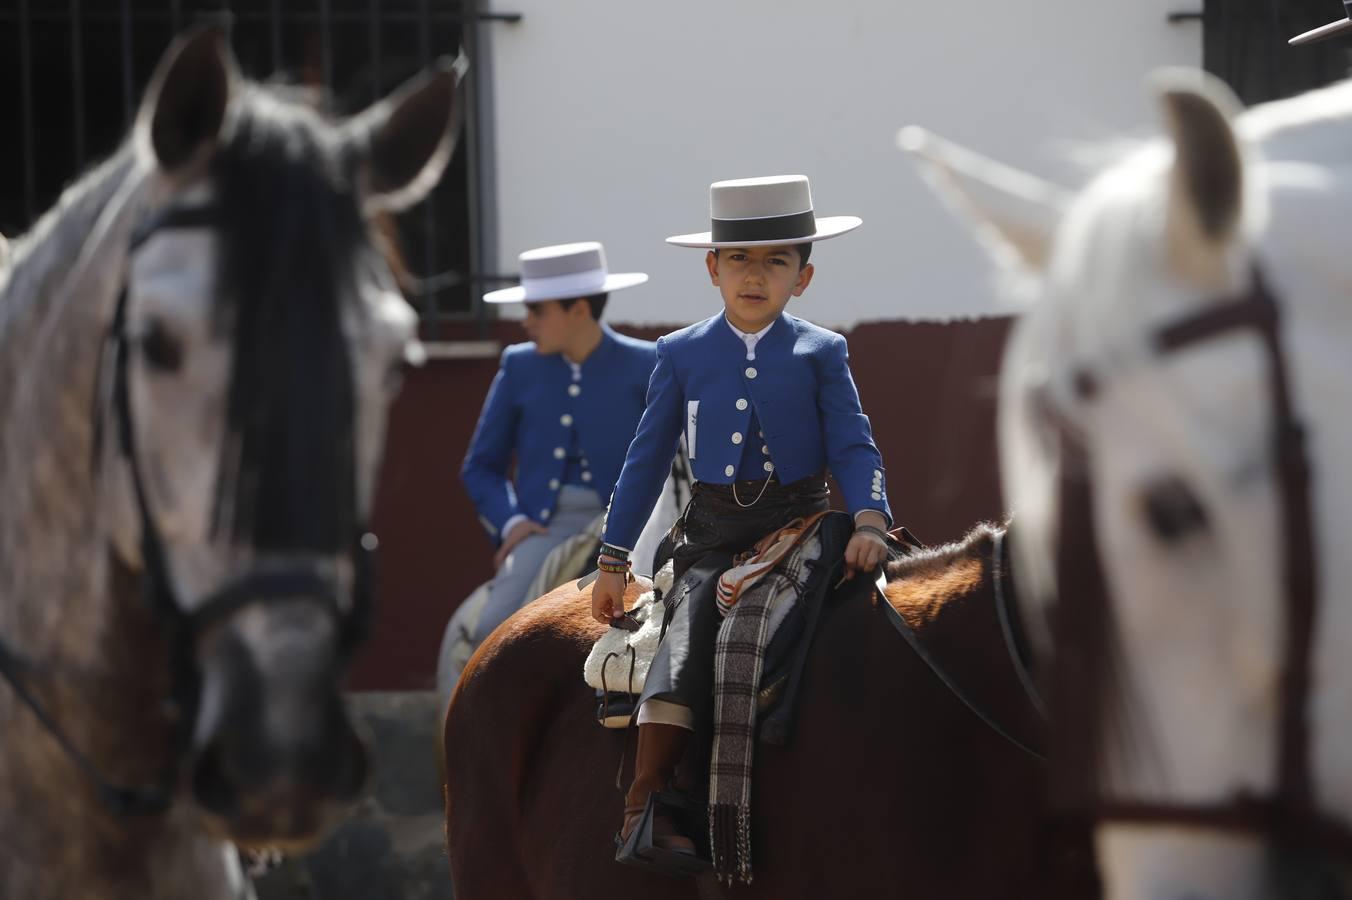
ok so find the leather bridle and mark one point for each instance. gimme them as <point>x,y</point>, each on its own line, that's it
<point>254,587</point>
<point>1288,815</point>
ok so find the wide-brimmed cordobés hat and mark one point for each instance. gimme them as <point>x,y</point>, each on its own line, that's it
<point>562,272</point>
<point>754,212</point>
<point>1327,31</point>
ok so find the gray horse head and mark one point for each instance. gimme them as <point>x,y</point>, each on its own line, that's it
<point>216,294</point>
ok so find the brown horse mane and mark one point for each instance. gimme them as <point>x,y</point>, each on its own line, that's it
<point>930,559</point>
<point>921,584</point>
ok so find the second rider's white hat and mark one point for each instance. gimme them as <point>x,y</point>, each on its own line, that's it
<point>564,271</point>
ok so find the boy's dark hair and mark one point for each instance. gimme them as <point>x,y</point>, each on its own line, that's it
<point>804,253</point>
<point>597,302</point>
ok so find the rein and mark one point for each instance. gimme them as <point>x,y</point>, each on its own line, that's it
<point>918,648</point>
<point>1011,626</point>
<point>267,587</point>
<point>1288,816</point>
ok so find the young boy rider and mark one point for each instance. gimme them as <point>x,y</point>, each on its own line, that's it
<point>767,404</point>
<point>564,406</point>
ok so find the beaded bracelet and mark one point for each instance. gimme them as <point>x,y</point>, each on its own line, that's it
<point>613,568</point>
<point>872,529</point>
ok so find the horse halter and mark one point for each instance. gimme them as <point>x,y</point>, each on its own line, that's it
<point>252,588</point>
<point>1288,815</point>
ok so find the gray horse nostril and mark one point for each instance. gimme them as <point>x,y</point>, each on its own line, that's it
<point>1173,510</point>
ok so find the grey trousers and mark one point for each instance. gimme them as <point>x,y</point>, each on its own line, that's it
<point>506,593</point>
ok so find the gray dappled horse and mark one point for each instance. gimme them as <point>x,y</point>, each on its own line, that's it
<point>198,347</point>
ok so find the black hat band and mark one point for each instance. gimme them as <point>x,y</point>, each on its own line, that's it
<point>799,226</point>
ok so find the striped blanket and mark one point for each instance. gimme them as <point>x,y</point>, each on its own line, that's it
<point>751,595</point>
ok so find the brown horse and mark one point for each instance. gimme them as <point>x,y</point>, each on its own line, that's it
<point>889,782</point>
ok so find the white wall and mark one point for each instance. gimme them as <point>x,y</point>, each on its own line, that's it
<point>613,117</point>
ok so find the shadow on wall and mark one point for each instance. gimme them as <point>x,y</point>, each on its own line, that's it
<point>928,388</point>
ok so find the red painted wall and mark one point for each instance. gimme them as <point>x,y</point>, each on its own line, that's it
<point>929,390</point>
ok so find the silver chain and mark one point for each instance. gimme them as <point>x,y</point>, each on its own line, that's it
<point>765,484</point>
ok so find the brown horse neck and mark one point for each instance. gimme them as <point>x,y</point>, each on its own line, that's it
<point>949,596</point>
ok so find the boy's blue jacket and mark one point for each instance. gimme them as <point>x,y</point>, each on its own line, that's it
<point>533,408</point>
<point>800,388</point>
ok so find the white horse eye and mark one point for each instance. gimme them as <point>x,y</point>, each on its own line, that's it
<point>162,350</point>
<point>1172,509</point>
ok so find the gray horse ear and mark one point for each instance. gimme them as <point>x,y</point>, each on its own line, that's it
<point>406,140</point>
<point>1207,193</point>
<point>184,107</point>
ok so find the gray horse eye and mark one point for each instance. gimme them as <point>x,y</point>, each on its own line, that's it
<point>161,349</point>
<point>1172,510</point>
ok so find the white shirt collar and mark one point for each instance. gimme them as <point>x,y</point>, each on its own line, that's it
<point>751,340</point>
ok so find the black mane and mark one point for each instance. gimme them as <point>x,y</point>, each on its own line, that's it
<point>292,238</point>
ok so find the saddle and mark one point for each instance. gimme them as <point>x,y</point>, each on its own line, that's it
<point>619,662</point>
<point>617,667</point>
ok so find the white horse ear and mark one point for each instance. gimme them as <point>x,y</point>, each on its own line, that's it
<point>406,140</point>
<point>184,108</point>
<point>1206,190</point>
<point>1015,214</point>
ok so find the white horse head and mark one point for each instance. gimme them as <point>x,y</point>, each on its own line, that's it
<point>1178,447</point>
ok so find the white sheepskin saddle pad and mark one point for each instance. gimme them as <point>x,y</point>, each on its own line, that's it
<point>620,660</point>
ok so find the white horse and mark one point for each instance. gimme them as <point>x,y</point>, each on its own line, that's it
<point>1126,393</point>
<point>198,347</point>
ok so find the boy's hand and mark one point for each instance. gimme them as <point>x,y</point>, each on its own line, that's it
<point>608,597</point>
<point>520,531</point>
<point>866,550</point>
<point>865,553</point>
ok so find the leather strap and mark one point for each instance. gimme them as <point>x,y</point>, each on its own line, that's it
<point>918,648</point>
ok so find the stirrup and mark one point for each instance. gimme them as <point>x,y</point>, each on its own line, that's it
<point>640,850</point>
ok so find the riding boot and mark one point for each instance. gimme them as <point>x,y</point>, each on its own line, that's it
<point>660,747</point>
